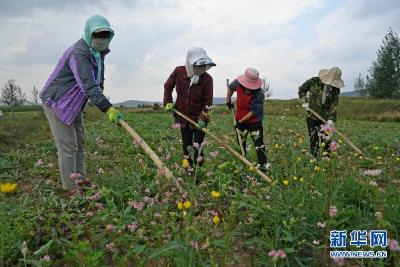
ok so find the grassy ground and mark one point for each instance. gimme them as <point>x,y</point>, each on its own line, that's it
<point>122,223</point>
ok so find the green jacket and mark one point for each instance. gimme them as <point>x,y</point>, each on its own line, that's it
<point>315,86</point>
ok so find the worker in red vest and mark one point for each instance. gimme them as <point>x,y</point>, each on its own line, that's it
<point>249,111</point>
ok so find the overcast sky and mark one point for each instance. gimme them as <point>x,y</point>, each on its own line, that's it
<point>288,41</point>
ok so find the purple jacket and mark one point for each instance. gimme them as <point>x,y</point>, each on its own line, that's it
<point>73,82</point>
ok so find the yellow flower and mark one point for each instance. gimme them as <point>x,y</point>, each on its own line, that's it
<point>379,158</point>
<point>216,219</point>
<point>317,168</point>
<point>295,178</point>
<point>286,182</point>
<point>360,157</point>
<point>187,204</point>
<point>312,160</point>
<point>398,159</point>
<point>277,146</point>
<point>215,194</point>
<point>180,205</point>
<point>323,144</point>
<point>251,168</point>
<point>185,163</point>
<point>340,141</point>
<point>7,187</point>
<point>291,131</point>
<point>302,179</point>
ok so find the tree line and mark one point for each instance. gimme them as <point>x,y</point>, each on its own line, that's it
<point>383,78</point>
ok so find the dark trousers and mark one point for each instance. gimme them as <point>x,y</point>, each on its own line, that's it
<point>314,128</point>
<point>257,140</point>
<point>190,135</point>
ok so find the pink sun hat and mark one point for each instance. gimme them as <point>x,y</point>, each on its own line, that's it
<point>250,79</point>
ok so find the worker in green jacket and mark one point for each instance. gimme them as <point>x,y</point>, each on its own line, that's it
<point>321,94</point>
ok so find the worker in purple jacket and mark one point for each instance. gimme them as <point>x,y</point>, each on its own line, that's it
<point>77,78</point>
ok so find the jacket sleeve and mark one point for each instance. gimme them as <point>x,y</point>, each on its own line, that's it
<point>304,88</point>
<point>83,71</point>
<point>334,105</point>
<point>207,99</point>
<point>257,104</point>
<point>233,85</point>
<point>169,88</point>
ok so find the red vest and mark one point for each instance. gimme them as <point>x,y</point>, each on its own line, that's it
<point>243,103</point>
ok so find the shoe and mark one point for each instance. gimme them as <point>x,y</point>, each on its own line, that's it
<point>265,167</point>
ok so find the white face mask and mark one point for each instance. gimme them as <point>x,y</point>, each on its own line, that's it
<point>100,44</point>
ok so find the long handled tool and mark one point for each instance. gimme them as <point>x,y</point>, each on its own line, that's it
<point>231,150</point>
<point>157,161</point>
<point>347,140</point>
<point>238,133</point>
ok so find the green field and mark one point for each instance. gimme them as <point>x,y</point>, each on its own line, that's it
<point>105,227</point>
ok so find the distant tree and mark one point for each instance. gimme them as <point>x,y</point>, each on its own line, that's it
<point>266,88</point>
<point>156,106</point>
<point>12,94</point>
<point>359,86</point>
<point>384,75</point>
<point>35,95</point>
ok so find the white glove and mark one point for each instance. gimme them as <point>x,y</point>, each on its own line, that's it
<point>306,106</point>
<point>330,123</point>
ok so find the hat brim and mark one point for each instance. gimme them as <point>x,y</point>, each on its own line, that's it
<point>252,85</point>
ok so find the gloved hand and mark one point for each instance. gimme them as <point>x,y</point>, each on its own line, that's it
<point>169,107</point>
<point>201,124</point>
<point>330,123</point>
<point>114,115</point>
<point>306,106</point>
<point>230,105</point>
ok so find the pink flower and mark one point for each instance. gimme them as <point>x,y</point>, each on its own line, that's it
<point>204,246</point>
<point>327,128</point>
<point>157,182</point>
<point>205,143</point>
<point>332,211</point>
<point>333,146</point>
<point>195,245</point>
<point>100,170</point>
<point>214,154</point>
<point>100,206</point>
<point>147,190</point>
<point>157,215</point>
<point>111,247</point>
<point>132,227</point>
<point>136,205</point>
<point>196,145</point>
<point>109,227</point>
<point>46,258</point>
<point>74,175</point>
<point>89,214</point>
<point>40,162</point>
<point>176,126</point>
<point>186,157</point>
<point>321,224</point>
<point>339,261</point>
<point>153,223</point>
<point>96,196</point>
<point>281,254</point>
<point>168,156</point>
<point>316,242</point>
<point>199,159</point>
<point>394,245</point>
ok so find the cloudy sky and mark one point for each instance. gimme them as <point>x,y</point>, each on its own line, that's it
<point>288,41</point>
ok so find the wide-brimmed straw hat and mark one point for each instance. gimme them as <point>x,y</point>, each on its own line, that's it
<point>250,79</point>
<point>331,77</point>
